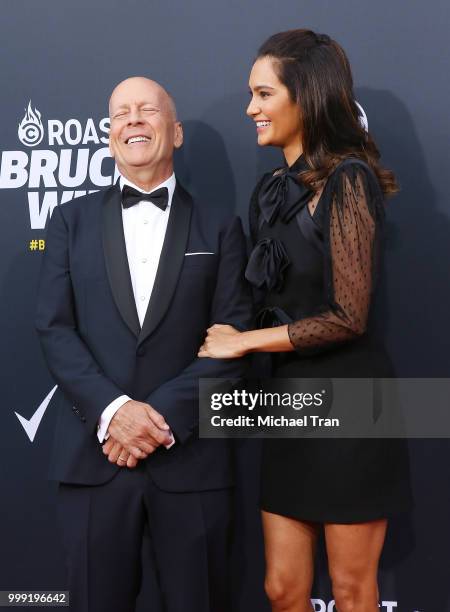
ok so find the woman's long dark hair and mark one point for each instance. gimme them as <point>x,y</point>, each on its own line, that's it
<point>317,74</point>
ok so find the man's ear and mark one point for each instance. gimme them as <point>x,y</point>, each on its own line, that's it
<point>178,140</point>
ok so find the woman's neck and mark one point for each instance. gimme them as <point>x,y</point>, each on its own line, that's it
<point>292,152</point>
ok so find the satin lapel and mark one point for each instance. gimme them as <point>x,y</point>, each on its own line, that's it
<point>116,259</point>
<point>170,262</point>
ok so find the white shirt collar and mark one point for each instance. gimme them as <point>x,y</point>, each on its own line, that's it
<point>170,183</point>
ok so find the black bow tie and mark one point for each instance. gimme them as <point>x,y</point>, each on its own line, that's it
<point>159,198</point>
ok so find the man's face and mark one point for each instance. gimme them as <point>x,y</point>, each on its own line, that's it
<point>144,129</point>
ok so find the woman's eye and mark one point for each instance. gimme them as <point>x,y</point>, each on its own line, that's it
<point>264,94</point>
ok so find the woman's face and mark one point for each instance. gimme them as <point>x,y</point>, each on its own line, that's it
<point>276,116</point>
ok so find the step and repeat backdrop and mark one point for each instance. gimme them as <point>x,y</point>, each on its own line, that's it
<point>59,64</point>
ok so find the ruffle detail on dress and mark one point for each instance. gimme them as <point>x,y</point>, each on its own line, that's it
<point>267,264</point>
<point>282,195</point>
<point>272,316</point>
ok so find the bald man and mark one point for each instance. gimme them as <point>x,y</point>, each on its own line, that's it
<point>131,279</point>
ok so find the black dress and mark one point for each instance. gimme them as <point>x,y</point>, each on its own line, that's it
<point>316,271</point>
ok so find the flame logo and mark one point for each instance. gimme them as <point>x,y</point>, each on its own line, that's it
<point>31,130</point>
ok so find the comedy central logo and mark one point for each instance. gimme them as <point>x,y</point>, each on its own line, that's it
<point>31,130</point>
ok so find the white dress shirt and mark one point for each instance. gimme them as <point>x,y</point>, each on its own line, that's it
<point>144,227</point>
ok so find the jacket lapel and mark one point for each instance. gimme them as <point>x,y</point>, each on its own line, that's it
<point>116,259</point>
<point>170,262</point>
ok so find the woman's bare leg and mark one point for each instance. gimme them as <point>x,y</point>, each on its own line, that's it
<point>290,548</point>
<point>353,556</point>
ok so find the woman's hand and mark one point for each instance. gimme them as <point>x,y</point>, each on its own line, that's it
<point>222,342</point>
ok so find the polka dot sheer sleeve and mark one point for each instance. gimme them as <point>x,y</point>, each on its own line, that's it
<point>352,214</point>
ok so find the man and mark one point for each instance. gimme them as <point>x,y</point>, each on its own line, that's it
<point>131,279</point>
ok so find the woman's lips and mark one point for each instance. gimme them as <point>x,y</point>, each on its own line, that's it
<point>262,125</point>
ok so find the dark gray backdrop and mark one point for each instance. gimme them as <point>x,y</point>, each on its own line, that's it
<point>65,57</point>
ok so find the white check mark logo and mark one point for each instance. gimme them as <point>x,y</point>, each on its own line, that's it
<point>31,425</point>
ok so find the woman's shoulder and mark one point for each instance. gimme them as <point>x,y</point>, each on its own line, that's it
<point>351,184</point>
<point>350,165</point>
<point>352,174</point>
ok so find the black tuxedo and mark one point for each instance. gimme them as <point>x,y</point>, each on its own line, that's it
<point>96,351</point>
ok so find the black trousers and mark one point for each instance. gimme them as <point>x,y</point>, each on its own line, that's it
<point>103,531</point>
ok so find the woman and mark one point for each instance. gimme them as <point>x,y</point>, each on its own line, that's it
<point>315,225</point>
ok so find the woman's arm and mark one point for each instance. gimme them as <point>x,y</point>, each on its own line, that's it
<point>351,246</point>
<point>226,342</point>
<point>349,268</point>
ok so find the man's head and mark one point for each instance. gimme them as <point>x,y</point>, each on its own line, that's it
<point>144,131</point>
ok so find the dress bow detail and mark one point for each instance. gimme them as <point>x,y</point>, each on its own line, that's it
<point>282,195</point>
<point>266,265</point>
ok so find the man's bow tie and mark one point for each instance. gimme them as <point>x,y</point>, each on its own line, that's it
<point>131,196</point>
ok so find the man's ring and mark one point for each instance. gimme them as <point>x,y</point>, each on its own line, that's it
<point>121,459</point>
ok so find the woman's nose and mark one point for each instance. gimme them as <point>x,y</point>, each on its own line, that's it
<point>252,109</point>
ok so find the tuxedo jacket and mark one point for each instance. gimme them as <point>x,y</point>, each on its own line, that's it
<point>96,350</point>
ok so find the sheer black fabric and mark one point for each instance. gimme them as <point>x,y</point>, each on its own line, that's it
<point>351,217</point>
<point>348,214</point>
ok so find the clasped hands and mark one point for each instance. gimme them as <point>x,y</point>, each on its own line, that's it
<point>135,431</point>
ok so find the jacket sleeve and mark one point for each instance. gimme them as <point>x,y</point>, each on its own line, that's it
<point>68,358</point>
<point>177,399</point>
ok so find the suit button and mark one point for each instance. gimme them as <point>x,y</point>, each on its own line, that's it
<point>140,352</point>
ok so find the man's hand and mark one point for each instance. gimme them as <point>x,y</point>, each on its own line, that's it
<point>139,429</point>
<point>117,454</point>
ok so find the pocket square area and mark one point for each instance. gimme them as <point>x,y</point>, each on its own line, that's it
<point>199,253</point>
